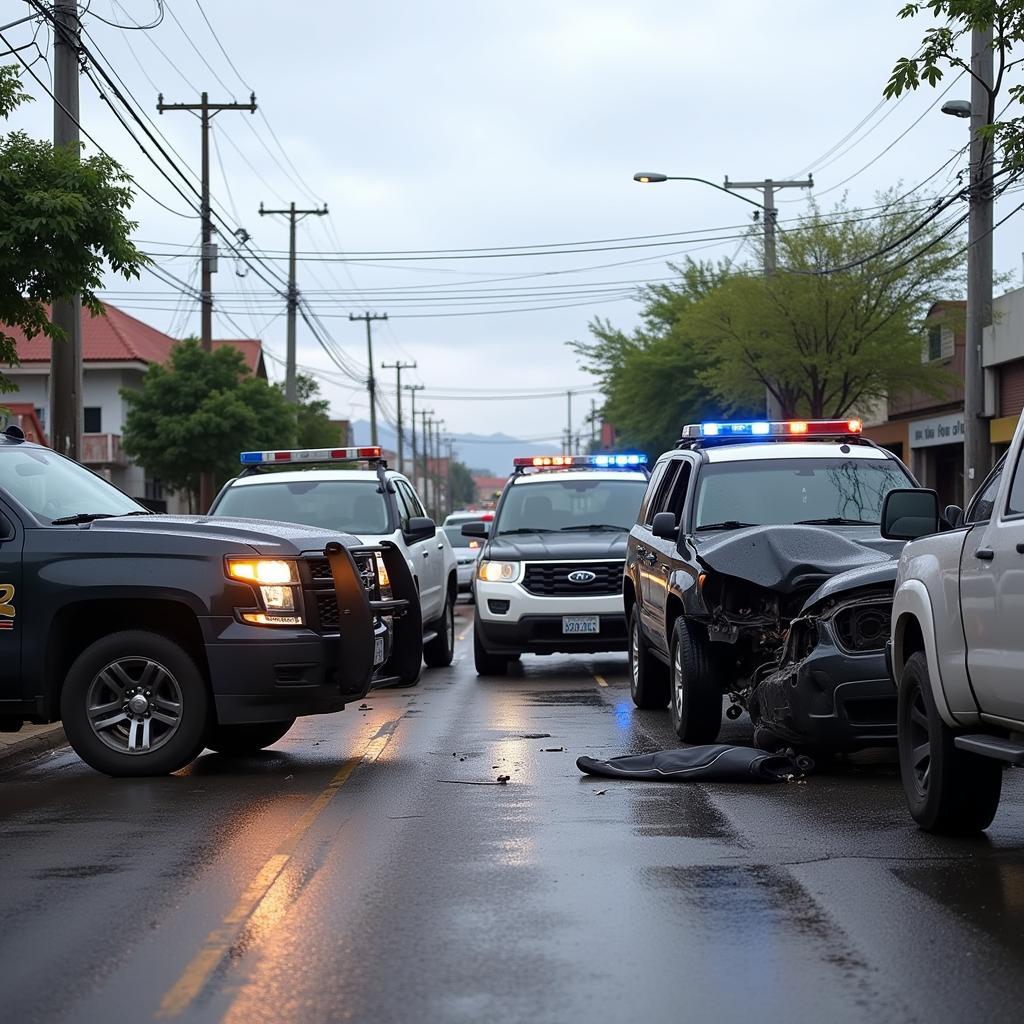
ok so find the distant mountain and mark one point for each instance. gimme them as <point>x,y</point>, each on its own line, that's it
<point>490,453</point>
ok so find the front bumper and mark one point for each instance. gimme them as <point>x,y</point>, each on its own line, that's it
<point>466,571</point>
<point>830,701</point>
<point>542,634</point>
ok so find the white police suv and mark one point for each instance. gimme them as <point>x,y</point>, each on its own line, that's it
<point>352,490</point>
<point>549,577</point>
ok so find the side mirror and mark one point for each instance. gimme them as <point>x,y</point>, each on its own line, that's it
<point>954,516</point>
<point>910,513</point>
<point>475,529</point>
<point>419,528</point>
<point>665,526</point>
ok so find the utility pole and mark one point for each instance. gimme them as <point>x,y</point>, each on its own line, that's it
<point>371,381</point>
<point>438,495</point>
<point>206,111</point>
<point>568,424</point>
<point>398,366</point>
<point>412,389</point>
<point>769,215</point>
<point>425,421</point>
<point>65,423</point>
<point>448,489</point>
<point>293,215</point>
<point>977,450</point>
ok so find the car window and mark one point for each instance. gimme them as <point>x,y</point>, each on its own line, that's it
<point>662,489</point>
<point>981,509</point>
<point>453,531</point>
<point>1015,503</point>
<point>404,511</point>
<point>676,497</point>
<point>349,506</point>
<point>412,500</point>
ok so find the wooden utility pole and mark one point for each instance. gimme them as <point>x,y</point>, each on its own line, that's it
<point>294,216</point>
<point>398,366</point>
<point>412,389</point>
<point>425,422</point>
<point>65,421</point>
<point>371,380</point>
<point>206,111</point>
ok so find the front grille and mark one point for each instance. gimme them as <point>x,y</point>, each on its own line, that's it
<point>864,627</point>
<point>318,590</point>
<point>327,612</point>
<point>551,579</point>
<point>320,570</point>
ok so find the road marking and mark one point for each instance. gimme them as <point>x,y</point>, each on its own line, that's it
<point>219,942</point>
<point>601,681</point>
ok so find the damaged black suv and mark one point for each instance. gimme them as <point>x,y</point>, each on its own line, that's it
<point>756,570</point>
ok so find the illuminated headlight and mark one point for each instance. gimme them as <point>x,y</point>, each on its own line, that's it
<point>382,573</point>
<point>499,572</point>
<point>267,571</point>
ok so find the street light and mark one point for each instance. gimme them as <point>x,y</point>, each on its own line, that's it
<point>957,108</point>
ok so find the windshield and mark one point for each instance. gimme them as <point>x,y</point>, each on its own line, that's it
<point>52,487</point>
<point>555,505</point>
<point>349,506</point>
<point>454,534</point>
<point>796,491</point>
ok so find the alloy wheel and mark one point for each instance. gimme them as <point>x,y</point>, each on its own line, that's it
<point>134,705</point>
<point>920,744</point>
<point>634,654</point>
<point>677,681</point>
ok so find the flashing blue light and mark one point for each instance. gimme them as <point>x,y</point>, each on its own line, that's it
<point>609,461</point>
<point>760,428</point>
<point>756,429</point>
<point>252,458</point>
<point>600,460</point>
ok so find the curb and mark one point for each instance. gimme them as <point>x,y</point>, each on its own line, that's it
<point>26,748</point>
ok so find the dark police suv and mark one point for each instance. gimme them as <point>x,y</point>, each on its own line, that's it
<point>152,636</point>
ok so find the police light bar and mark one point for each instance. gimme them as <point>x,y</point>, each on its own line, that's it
<point>595,461</point>
<point>309,455</point>
<point>775,428</point>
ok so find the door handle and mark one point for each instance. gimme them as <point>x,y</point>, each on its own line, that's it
<point>985,554</point>
<point>1020,549</point>
<point>426,554</point>
<point>440,547</point>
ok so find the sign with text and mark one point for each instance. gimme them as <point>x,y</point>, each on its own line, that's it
<point>940,430</point>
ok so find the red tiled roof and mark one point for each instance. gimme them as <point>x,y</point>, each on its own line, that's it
<point>118,337</point>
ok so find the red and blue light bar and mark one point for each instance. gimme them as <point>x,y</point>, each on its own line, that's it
<point>792,429</point>
<point>601,461</point>
<point>309,455</point>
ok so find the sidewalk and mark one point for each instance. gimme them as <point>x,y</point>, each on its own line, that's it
<point>32,740</point>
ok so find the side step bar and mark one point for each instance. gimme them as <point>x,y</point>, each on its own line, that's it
<point>991,746</point>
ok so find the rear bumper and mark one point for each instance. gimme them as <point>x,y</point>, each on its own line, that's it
<point>542,634</point>
<point>831,701</point>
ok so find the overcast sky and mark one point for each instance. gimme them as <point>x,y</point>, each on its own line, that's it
<point>495,124</point>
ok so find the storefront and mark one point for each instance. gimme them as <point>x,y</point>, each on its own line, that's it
<point>937,455</point>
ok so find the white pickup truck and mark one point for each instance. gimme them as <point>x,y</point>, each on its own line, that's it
<point>957,646</point>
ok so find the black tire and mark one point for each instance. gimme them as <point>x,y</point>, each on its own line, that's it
<point>696,695</point>
<point>440,651</point>
<point>648,677</point>
<point>487,664</point>
<point>948,791</point>
<point>246,739</point>
<point>135,665</point>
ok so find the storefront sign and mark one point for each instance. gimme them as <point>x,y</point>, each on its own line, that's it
<point>941,430</point>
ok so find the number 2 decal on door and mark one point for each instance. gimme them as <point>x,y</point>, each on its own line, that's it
<point>7,611</point>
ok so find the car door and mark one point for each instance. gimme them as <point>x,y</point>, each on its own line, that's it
<point>643,543</point>
<point>666,549</point>
<point>427,555</point>
<point>12,608</point>
<point>992,593</point>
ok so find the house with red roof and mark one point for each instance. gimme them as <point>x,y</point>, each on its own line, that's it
<point>117,349</point>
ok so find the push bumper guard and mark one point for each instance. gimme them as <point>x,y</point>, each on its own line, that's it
<point>357,610</point>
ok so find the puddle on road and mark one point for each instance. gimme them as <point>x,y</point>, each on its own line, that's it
<point>566,698</point>
<point>683,811</point>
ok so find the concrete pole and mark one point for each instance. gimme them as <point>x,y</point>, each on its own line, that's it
<point>412,389</point>
<point>371,380</point>
<point>977,449</point>
<point>65,422</point>
<point>398,366</point>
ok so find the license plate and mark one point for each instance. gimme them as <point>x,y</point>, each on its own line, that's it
<point>581,624</point>
<point>378,651</point>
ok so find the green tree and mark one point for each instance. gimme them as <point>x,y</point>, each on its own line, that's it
<point>939,52</point>
<point>841,326</point>
<point>652,379</point>
<point>462,485</point>
<point>197,413</point>
<point>61,221</point>
<point>314,427</point>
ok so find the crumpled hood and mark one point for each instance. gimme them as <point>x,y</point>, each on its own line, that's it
<point>785,558</point>
<point>877,575</point>
<point>266,536</point>
<point>528,547</point>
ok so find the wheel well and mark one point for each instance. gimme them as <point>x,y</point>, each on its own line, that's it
<point>76,626</point>
<point>453,586</point>
<point>910,640</point>
<point>673,609</point>
<point>628,596</point>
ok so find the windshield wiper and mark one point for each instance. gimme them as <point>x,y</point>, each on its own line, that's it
<point>80,517</point>
<point>728,524</point>
<point>595,527</point>
<point>524,529</point>
<point>835,521</point>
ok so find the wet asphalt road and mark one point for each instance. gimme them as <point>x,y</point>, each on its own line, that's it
<point>358,872</point>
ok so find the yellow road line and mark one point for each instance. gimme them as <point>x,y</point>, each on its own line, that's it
<point>601,681</point>
<point>219,942</point>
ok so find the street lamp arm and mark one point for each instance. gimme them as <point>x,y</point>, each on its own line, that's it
<point>651,178</point>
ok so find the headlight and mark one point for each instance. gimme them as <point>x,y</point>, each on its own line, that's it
<point>499,572</point>
<point>382,573</point>
<point>278,599</point>
<point>262,570</point>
